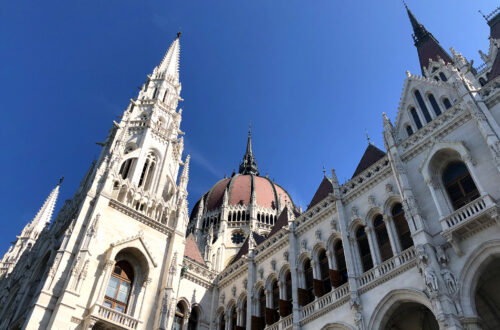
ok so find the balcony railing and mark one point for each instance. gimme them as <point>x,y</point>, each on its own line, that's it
<point>282,324</point>
<point>387,268</point>
<point>114,317</point>
<point>325,302</point>
<point>469,219</point>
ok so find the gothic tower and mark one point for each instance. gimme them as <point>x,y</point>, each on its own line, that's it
<point>114,252</point>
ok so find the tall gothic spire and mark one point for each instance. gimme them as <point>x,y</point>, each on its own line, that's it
<point>44,215</point>
<point>427,46</point>
<point>169,66</point>
<point>249,166</point>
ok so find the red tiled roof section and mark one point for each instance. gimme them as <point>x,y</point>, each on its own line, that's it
<point>265,192</point>
<point>325,188</point>
<point>371,156</point>
<point>191,250</point>
<point>240,190</point>
<point>285,198</point>
<point>216,194</point>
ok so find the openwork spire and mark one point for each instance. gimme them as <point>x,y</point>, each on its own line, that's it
<point>249,166</point>
<point>44,215</point>
<point>169,66</point>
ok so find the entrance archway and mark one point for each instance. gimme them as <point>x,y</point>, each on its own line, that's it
<point>410,316</point>
<point>487,296</point>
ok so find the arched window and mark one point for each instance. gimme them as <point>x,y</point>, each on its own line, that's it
<point>222,321</point>
<point>288,290</point>
<point>416,118</point>
<point>165,96</point>
<point>324,270</point>
<point>384,244</point>
<point>155,93</point>
<point>262,308</point>
<point>308,280</point>
<point>178,317</point>
<point>404,234</point>
<point>364,249</point>
<point>125,168</point>
<point>193,319</point>
<point>447,103</point>
<point>234,318</point>
<point>341,265</point>
<point>482,81</point>
<point>442,76</point>
<point>423,107</point>
<point>459,184</point>
<point>148,171</point>
<point>434,104</point>
<point>409,130</point>
<point>274,314</point>
<point>118,290</point>
<point>244,314</point>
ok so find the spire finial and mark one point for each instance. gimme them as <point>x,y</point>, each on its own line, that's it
<point>60,180</point>
<point>484,16</point>
<point>179,34</point>
<point>404,4</point>
<point>249,166</point>
<point>324,170</point>
<point>368,137</point>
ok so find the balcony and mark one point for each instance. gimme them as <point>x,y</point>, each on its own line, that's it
<point>113,318</point>
<point>469,219</point>
<point>324,304</point>
<point>388,269</point>
<point>284,323</point>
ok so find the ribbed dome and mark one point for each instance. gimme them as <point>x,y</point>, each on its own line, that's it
<point>239,192</point>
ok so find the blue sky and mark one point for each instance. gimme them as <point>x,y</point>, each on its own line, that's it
<point>310,75</point>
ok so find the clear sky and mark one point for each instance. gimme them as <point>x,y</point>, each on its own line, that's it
<point>312,76</point>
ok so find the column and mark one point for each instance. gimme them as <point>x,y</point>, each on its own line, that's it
<point>295,277</point>
<point>393,237</point>
<point>372,241</point>
<point>104,279</point>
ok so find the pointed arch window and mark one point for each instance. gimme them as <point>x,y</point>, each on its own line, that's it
<point>341,264</point>
<point>459,184</point>
<point>447,103</point>
<point>222,321</point>
<point>262,309</point>
<point>364,249</point>
<point>272,315</point>
<point>404,234</point>
<point>193,319</point>
<point>416,118</point>
<point>422,105</point>
<point>308,279</point>
<point>288,289</point>
<point>384,244</point>
<point>234,318</point>
<point>434,104</point>
<point>409,130</point>
<point>324,270</point>
<point>244,314</point>
<point>155,92</point>
<point>148,171</point>
<point>119,285</point>
<point>126,166</point>
<point>443,77</point>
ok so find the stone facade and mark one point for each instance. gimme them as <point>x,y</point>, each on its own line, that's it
<point>411,241</point>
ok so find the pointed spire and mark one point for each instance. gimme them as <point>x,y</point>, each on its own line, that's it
<point>427,46</point>
<point>185,173</point>
<point>44,215</point>
<point>249,166</point>
<point>169,66</point>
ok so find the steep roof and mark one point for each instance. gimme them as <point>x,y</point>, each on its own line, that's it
<point>325,188</point>
<point>281,222</point>
<point>191,251</point>
<point>371,156</point>
<point>244,248</point>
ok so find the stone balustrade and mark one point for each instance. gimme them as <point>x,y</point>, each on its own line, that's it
<point>109,315</point>
<point>324,303</point>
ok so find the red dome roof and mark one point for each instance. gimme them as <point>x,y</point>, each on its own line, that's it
<point>239,188</point>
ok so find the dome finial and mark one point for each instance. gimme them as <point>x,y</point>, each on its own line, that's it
<point>249,166</point>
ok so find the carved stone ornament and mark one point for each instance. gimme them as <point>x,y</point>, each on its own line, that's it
<point>354,211</point>
<point>430,280</point>
<point>333,225</point>
<point>449,280</point>
<point>261,273</point>
<point>222,298</point>
<point>318,234</point>
<point>389,188</point>
<point>233,291</point>
<point>441,255</point>
<point>273,264</point>
<point>303,244</point>
<point>371,200</point>
<point>285,255</point>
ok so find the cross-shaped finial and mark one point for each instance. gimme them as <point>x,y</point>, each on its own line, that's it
<point>179,34</point>
<point>368,137</point>
<point>60,181</point>
<point>324,170</point>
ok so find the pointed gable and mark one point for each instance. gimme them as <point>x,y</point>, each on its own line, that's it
<point>325,188</point>
<point>244,248</point>
<point>371,156</point>
<point>191,250</point>
<point>281,222</point>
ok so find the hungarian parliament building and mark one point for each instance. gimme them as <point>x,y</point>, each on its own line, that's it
<point>410,242</point>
